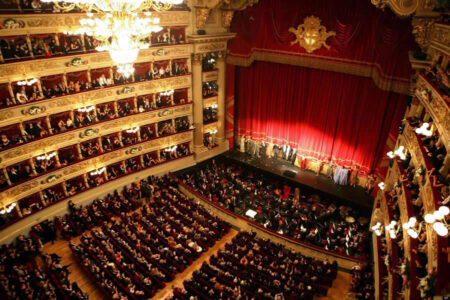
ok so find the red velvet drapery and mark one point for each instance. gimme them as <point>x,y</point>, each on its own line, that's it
<point>368,42</point>
<point>322,114</point>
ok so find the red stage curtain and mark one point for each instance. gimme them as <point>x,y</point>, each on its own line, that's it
<point>322,114</point>
<point>365,35</point>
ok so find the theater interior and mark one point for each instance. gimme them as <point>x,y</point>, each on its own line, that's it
<point>224,149</point>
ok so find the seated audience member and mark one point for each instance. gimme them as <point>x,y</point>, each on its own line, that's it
<point>309,219</point>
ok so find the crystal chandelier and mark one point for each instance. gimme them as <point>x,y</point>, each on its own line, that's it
<point>121,26</point>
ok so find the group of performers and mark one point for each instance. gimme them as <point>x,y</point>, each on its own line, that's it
<point>339,174</point>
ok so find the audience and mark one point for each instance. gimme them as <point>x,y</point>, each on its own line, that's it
<point>255,268</point>
<point>135,257</point>
<point>304,217</point>
<point>362,282</point>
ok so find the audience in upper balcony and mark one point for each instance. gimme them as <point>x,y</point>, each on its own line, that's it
<point>111,142</point>
<point>182,123</point>
<point>145,103</point>
<point>210,114</point>
<point>440,77</point>
<point>210,89</point>
<point>44,165</point>
<point>19,172</point>
<point>179,67</point>
<point>34,130</point>
<point>208,141</point>
<point>209,62</point>
<point>165,128</point>
<point>105,112</point>
<point>162,100</point>
<point>89,148</point>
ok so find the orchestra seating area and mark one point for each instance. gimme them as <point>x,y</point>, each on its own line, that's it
<point>26,273</point>
<point>281,207</point>
<point>259,269</point>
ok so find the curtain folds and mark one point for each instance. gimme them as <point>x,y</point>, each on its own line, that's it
<point>323,114</point>
<point>365,35</point>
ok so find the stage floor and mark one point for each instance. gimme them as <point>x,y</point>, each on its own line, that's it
<point>355,197</point>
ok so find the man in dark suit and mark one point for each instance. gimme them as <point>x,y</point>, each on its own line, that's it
<point>276,151</point>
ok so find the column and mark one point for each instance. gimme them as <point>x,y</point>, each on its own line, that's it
<point>221,96</point>
<point>198,100</point>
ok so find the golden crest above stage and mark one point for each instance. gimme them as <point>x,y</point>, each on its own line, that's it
<point>311,35</point>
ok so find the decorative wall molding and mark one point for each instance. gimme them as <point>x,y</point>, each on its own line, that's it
<point>422,28</point>
<point>210,75</point>
<point>207,102</point>
<point>440,38</point>
<point>30,187</point>
<point>23,24</point>
<point>55,142</point>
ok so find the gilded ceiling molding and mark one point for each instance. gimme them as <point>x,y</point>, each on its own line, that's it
<point>228,7</point>
<point>311,35</point>
<point>400,7</point>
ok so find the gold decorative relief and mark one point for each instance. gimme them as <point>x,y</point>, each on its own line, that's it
<point>201,15</point>
<point>311,35</point>
<point>227,17</point>
<point>422,28</point>
<point>400,7</point>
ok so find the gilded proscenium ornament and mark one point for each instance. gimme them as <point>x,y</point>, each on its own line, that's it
<point>311,35</point>
<point>201,14</point>
<point>227,17</point>
<point>422,28</point>
<point>400,7</point>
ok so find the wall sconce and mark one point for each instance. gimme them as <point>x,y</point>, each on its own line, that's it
<point>438,220</point>
<point>86,109</point>
<point>97,172</point>
<point>171,149</point>
<point>167,93</point>
<point>423,130</point>
<point>46,156</point>
<point>392,228</point>
<point>410,227</point>
<point>381,185</point>
<point>7,210</point>
<point>377,229</point>
<point>213,131</point>
<point>133,130</point>
<point>26,82</point>
<point>398,152</point>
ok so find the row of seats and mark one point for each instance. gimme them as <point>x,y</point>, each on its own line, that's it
<point>22,277</point>
<point>281,207</point>
<point>258,269</point>
<point>136,256</point>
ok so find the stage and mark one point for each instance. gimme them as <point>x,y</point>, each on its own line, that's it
<point>355,197</point>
